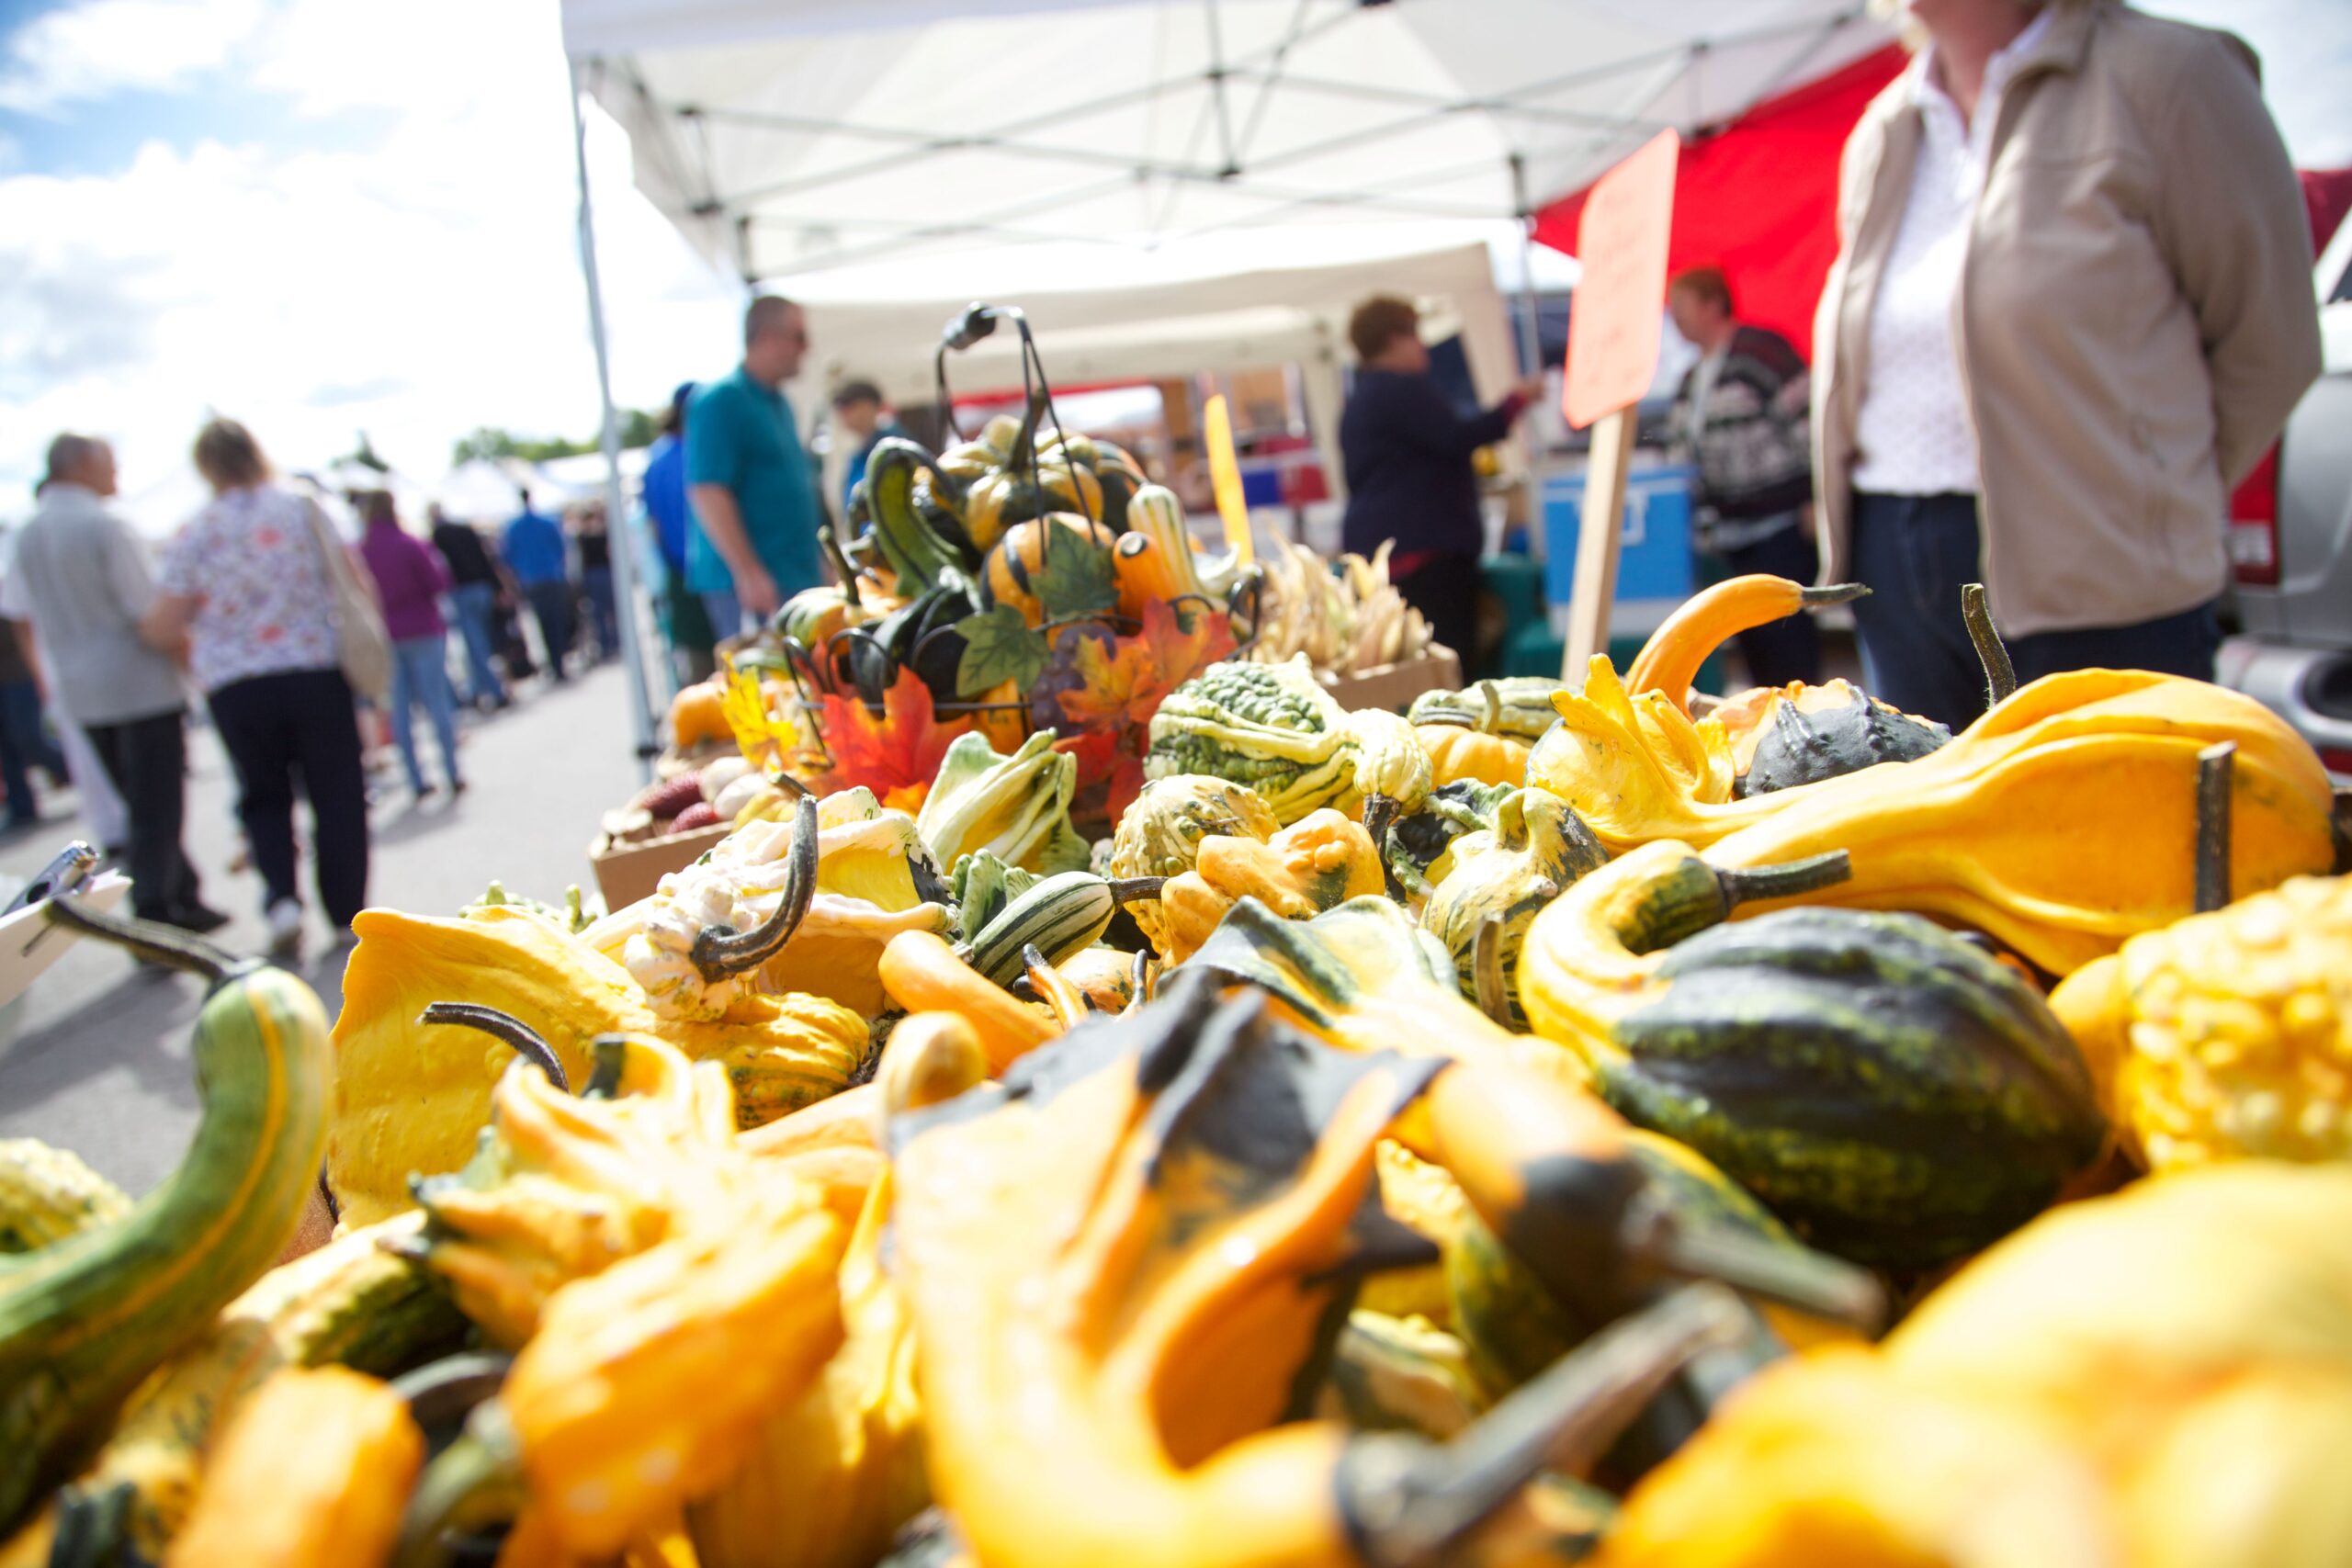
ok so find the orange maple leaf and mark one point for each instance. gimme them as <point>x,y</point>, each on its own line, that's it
<point>896,754</point>
<point>1126,686</point>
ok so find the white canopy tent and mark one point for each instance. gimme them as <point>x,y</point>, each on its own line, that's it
<point>804,140</point>
<point>1177,329</point>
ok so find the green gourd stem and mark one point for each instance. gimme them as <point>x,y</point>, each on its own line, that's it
<point>525,1041</point>
<point>1487,970</point>
<point>1493,719</point>
<point>2215,767</point>
<point>82,1320</point>
<point>608,1060</point>
<point>474,1483</point>
<point>720,951</point>
<point>1834,593</point>
<point>1406,1503</point>
<point>1797,876</point>
<point>1136,889</point>
<point>166,945</point>
<point>1812,1282</point>
<point>2000,676</point>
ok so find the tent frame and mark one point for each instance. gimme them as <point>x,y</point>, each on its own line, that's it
<point>621,541</point>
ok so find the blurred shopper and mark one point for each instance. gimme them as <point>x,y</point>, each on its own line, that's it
<point>249,587</point>
<point>2072,307</point>
<point>473,597</point>
<point>1741,410</point>
<point>685,624</point>
<point>753,491</point>
<point>861,419</point>
<point>410,580</point>
<point>533,546</point>
<point>593,540</point>
<point>24,744</point>
<point>81,584</point>
<point>1408,454</point>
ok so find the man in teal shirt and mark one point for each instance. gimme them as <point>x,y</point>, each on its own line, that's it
<point>754,492</point>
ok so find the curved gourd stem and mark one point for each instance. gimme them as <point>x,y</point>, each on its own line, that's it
<point>721,951</point>
<point>1670,660</point>
<point>2000,676</point>
<point>1812,1282</point>
<point>1406,1503</point>
<point>1493,719</point>
<point>2215,766</point>
<point>473,1484</point>
<point>1834,593</point>
<point>1138,983</point>
<point>608,1059</point>
<point>1380,813</point>
<point>1487,971</point>
<point>525,1041</point>
<point>1136,889</point>
<point>443,1391</point>
<point>157,943</point>
<point>1786,881</point>
<point>1053,988</point>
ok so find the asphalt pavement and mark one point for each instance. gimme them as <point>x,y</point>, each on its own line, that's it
<point>95,1057</point>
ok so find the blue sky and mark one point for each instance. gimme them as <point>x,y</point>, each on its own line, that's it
<point>328,215</point>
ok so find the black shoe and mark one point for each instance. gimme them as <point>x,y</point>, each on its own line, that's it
<point>199,919</point>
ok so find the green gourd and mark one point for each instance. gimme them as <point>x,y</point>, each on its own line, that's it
<point>1896,1097</point>
<point>1536,848</point>
<point>83,1319</point>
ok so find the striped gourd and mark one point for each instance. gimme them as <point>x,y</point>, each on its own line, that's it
<point>82,1321</point>
<point>49,1195</point>
<point>1062,916</point>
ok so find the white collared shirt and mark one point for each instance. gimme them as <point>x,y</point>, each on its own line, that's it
<point>1912,436</point>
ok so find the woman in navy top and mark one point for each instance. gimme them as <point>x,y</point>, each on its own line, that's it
<point>1408,451</point>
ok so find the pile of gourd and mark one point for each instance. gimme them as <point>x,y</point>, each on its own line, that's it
<point>1492,1134</point>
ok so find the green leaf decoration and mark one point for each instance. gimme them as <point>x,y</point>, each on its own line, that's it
<point>1077,580</point>
<point>998,646</point>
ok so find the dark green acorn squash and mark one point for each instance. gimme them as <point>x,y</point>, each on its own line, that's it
<point>1896,1096</point>
<point>1822,732</point>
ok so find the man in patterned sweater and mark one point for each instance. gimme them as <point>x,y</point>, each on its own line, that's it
<point>1742,412</point>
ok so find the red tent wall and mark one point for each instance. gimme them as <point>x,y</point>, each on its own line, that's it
<point>1760,198</point>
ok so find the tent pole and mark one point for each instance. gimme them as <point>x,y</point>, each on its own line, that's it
<point>618,544</point>
<point>1530,350</point>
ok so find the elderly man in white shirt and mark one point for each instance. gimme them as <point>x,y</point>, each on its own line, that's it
<point>80,580</point>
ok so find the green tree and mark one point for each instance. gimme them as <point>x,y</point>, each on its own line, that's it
<point>638,427</point>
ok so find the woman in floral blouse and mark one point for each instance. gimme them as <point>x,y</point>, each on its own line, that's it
<point>248,582</point>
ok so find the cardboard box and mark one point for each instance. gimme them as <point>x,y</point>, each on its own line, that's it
<point>627,872</point>
<point>1392,687</point>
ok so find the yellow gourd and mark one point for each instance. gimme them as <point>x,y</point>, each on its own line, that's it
<point>311,1473</point>
<point>1319,862</point>
<point>2226,1035</point>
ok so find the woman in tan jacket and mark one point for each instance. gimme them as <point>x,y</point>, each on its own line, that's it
<point>2072,307</point>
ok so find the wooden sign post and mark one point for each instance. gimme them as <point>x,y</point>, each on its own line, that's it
<point>1613,354</point>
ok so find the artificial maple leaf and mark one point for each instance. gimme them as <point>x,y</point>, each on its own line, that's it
<point>900,751</point>
<point>1125,687</point>
<point>1110,771</point>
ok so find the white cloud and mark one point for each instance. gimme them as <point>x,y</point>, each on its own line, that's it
<point>85,52</point>
<point>414,290</point>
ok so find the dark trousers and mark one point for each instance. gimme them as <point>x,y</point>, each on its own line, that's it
<point>291,728</point>
<point>23,748</point>
<point>147,761</point>
<point>1914,553</point>
<point>1444,589</point>
<point>552,607</point>
<point>596,583</point>
<point>1789,649</point>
